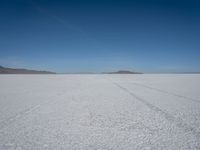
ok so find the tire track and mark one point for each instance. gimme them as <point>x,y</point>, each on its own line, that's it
<point>10,120</point>
<point>166,92</point>
<point>177,121</point>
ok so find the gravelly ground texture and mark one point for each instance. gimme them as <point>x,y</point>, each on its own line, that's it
<point>147,111</point>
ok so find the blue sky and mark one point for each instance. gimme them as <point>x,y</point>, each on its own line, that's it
<point>100,35</point>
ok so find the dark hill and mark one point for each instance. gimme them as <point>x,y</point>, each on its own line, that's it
<point>4,70</point>
<point>123,72</point>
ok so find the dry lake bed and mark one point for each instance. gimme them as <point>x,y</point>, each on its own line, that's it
<point>146,111</point>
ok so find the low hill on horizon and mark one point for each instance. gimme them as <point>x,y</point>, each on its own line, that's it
<point>5,70</point>
<point>122,72</point>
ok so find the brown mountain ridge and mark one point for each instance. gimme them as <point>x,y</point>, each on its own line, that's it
<point>4,70</point>
<point>123,72</point>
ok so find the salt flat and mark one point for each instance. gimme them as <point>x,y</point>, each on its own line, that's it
<point>147,111</point>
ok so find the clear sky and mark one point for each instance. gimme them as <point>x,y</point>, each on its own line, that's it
<point>100,35</point>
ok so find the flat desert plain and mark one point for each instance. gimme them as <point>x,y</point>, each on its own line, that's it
<point>144,111</point>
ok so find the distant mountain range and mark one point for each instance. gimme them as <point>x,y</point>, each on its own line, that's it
<point>4,70</point>
<point>122,72</point>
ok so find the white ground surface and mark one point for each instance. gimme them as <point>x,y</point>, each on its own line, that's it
<point>100,112</point>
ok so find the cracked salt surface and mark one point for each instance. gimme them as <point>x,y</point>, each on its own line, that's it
<point>99,112</point>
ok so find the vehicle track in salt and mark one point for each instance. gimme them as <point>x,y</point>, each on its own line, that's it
<point>166,92</point>
<point>10,120</point>
<point>177,121</point>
